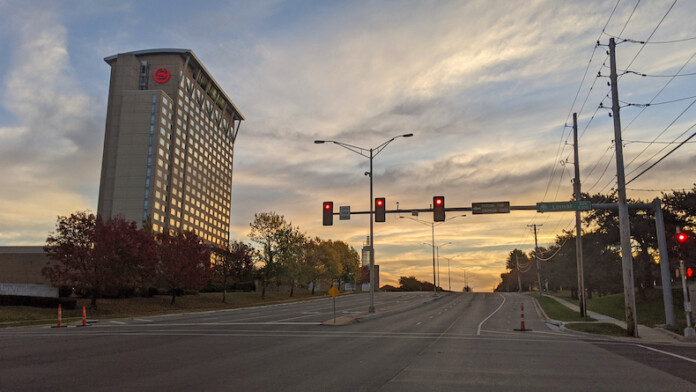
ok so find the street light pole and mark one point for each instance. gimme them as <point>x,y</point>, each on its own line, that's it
<point>432,226</point>
<point>438,259</point>
<point>372,153</point>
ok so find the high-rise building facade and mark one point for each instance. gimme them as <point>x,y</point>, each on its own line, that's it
<point>169,144</point>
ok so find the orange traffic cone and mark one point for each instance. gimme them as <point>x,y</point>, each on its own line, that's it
<point>522,328</point>
<point>84,318</point>
<point>60,318</point>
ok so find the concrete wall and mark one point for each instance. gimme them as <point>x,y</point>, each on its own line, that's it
<point>22,264</point>
<point>20,272</point>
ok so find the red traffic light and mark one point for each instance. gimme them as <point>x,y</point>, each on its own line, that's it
<point>689,272</point>
<point>380,209</point>
<point>328,213</point>
<point>438,208</point>
<point>682,237</point>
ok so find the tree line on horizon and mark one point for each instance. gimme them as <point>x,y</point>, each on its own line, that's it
<point>601,249</point>
<point>114,258</point>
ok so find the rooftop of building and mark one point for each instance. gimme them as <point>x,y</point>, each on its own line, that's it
<point>184,53</point>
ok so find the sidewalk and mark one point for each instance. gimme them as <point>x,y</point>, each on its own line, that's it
<point>645,333</point>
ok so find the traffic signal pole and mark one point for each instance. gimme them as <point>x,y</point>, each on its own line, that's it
<point>689,330</point>
<point>624,223</point>
<point>434,281</point>
<point>664,264</point>
<point>372,244</point>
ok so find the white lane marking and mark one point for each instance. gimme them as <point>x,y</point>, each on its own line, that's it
<point>419,323</point>
<point>478,332</point>
<point>117,322</point>
<point>143,320</point>
<point>668,353</point>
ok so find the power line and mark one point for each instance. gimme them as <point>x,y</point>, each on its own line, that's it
<point>658,76</point>
<point>642,141</point>
<point>656,137</point>
<point>653,42</point>
<point>666,155</point>
<point>577,94</point>
<point>606,167</point>
<point>660,92</point>
<point>653,190</point>
<point>651,34</point>
<point>658,103</point>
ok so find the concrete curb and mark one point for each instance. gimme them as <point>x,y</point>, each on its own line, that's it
<point>675,338</point>
<point>544,316</point>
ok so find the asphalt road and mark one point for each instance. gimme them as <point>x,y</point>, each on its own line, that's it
<point>457,342</point>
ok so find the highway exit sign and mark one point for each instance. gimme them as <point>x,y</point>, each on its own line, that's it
<point>584,205</point>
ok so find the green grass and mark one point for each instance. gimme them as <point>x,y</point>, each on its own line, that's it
<point>139,307</point>
<point>556,311</point>
<point>598,328</point>
<point>650,309</point>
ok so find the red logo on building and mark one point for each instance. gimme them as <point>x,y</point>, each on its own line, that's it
<point>161,75</point>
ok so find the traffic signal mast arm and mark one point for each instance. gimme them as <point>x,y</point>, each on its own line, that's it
<point>401,210</point>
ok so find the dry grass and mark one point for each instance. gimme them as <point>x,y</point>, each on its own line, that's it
<point>139,307</point>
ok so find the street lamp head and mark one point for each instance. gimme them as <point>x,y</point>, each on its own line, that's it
<point>407,135</point>
<point>319,142</point>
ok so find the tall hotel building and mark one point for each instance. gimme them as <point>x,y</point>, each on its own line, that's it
<point>169,144</point>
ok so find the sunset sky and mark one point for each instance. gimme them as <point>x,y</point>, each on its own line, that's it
<point>486,87</point>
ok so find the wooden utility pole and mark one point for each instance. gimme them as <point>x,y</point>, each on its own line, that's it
<point>578,222</point>
<point>519,279</point>
<point>624,223</point>
<point>536,255</point>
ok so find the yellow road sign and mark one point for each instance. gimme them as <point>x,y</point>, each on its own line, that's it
<point>333,291</point>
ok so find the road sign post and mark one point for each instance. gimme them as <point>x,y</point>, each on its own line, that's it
<point>333,291</point>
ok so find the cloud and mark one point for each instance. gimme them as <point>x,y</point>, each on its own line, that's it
<point>486,89</point>
<point>50,160</point>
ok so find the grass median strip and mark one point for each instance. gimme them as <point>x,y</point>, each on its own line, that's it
<point>139,307</point>
<point>649,306</point>
<point>559,312</point>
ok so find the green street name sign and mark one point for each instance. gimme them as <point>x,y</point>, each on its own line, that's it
<point>584,205</point>
<point>496,207</point>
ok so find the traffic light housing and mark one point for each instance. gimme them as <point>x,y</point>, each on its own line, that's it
<point>439,208</point>
<point>380,209</point>
<point>328,213</point>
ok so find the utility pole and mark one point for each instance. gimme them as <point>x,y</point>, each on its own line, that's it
<point>578,223</point>
<point>519,279</point>
<point>624,223</point>
<point>536,255</point>
<point>449,276</point>
<point>664,264</point>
